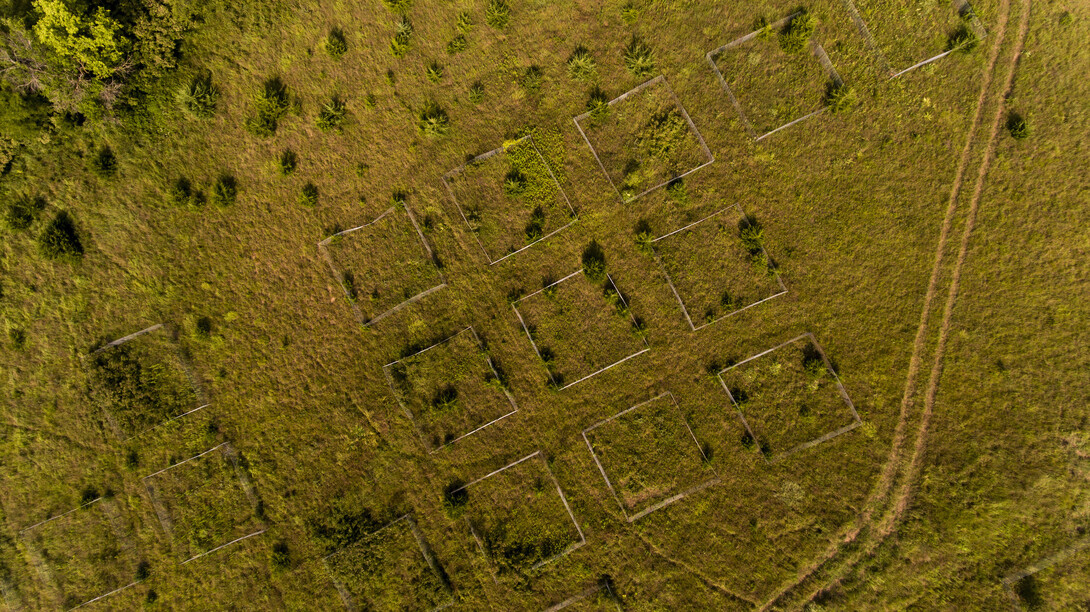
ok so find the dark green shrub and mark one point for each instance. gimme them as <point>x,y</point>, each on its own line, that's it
<point>498,14</point>
<point>203,328</point>
<point>1029,592</point>
<point>182,193</point>
<point>281,556</point>
<point>839,97</point>
<point>796,34</point>
<point>17,336</point>
<point>60,238</point>
<point>434,72</point>
<point>398,6</point>
<point>962,39</point>
<point>287,162</point>
<point>336,45</point>
<point>1017,126</point>
<point>22,212</point>
<point>476,93</point>
<point>536,226</point>
<point>639,58</point>
<point>433,121</point>
<point>581,65</point>
<point>309,195</point>
<point>225,191</point>
<point>403,37</point>
<point>594,262</point>
<point>644,237</point>
<point>199,96</point>
<point>457,44</point>
<point>531,79</point>
<point>143,570</point>
<point>332,114</point>
<point>271,104</point>
<point>104,163</point>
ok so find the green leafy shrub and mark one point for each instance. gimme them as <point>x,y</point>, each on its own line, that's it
<point>225,191</point>
<point>962,39</point>
<point>839,97</point>
<point>271,104</point>
<point>403,37</point>
<point>531,79</point>
<point>60,238</point>
<point>434,72</point>
<point>796,34</point>
<point>465,22</point>
<point>336,45</point>
<point>1017,126</point>
<point>287,162</point>
<point>476,93</point>
<point>22,212</point>
<point>182,193</point>
<point>309,195</point>
<point>581,65</point>
<point>104,163</point>
<point>498,14</point>
<point>199,96</point>
<point>639,58</point>
<point>433,121</point>
<point>332,114</point>
<point>594,262</point>
<point>663,134</point>
<point>398,6</point>
<point>457,44</point>
<point>644,237</point>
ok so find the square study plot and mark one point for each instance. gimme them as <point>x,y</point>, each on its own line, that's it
<point>649,456</point>
<point>519,516</point>
<point>789,398</point>
<point>644,139</point>
<point>907,35</point>
<point>205,503</point>
<point>509,198</point>
<point>770,87</point>
<point>717,266</point>
<point>82,555</point>
<point>142,380</point>
<point>391,569</point>
<point>579,328</point>
<point>384,265</point>
<point>450,390</point>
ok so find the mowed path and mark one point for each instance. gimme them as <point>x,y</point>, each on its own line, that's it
<point>874,527</point>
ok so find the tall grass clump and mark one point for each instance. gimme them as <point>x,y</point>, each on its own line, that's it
<point>398,6</point>
<point>332,114</point>
<point>433,121</point>
<point>962,39</point>
<point>104,163</point>
<point>60,238</point>
<point>839,97</point>
<point>498,14</point>
<point>403,37</point>
<point>270,105</point>
<point>434,72</point>
<point>476,93</point>
<point>639,58</point>
<point>336,45</point>
<point>597,104</point>
<point>182,193</point>
<point>796,34</point>
<point>581,65</point>
<point>594,262</point>
<point>20,213</point>
<point>199,96</point>
<point>225,191</point>
<point>287,162</point>
<point>531,79</point>
<point>1017,126</point>
<point>457,44</point>
<point>309,196</point>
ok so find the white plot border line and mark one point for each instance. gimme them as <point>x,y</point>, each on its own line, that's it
<point>815,48</point>
<point>446,178</point>
<point>1043,564</point>
<point>421,543</point>
<point>700,139</point>
<point>582,538</point>
<point>669,500</point>
<point>586,594</point>
<point>856,421</point>
<point>525,328</point>
<point>409,414</point>
<point>670,282</point>
<point>228,453</point>
<point>323,247</point>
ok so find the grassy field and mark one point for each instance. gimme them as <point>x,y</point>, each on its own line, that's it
<point>281,352</point>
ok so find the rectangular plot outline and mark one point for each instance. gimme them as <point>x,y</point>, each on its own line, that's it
<point>703,145</point>
<point>584,595</point>
<point>815,48</point>
<point>1043,564</point>
<point>669,500</point>
<point>856,422</point>
<point>425,551</point>
<point>582,537</point>
<point>514,306</point>
<point>44,572</point>
<point>961,7</point>
<point>194,383</point>
<point>408,413</point>
<point>670,282</point>
<point>446,178</point>
<point>323,248</point>
<point>247,487</point>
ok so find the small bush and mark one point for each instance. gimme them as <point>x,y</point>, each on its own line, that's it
<point>498,14</point>
<point>60,238</point>
<point>639,58</point>
<point>398,6</point>
<point>1029,592</point>
<point>309,195</point>
<point>336,45</point>
<point>143,570</point>
<point>796,34</point>
<point>433,121</point>
<point>457,44</point>
<point>104,163</point>
<point>812,361</point>
<point>644,237</point>
<point>839,97</point>
<point>332,114</point>
<point>287,162</point>
<point>514,184</point>
<point>594,262</point>
<point>677,191</point>
<point>199,96</point>
<point>630,13</point>
<point>17,336</point>
<point>597,104</point>
<point>476,93</point>
<point>434,72</point>
<point>270,104</point>
<point>403,37</point>
<point>225,191</point>
<point>182,193</point>
<point>203,328</point>
<point>581,65</point>
<point>1017,126</point>
<point>536,227</point>
<point>751,234</point>
<point>455,497</point>
<point>21,213</point>
<point>281,556</point>
<point>664,134</point>
<point>465,22</point>
<point>531,79</point>
<point>962,39</point>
